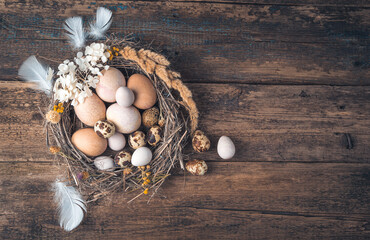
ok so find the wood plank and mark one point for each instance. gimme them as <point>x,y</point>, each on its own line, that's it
<point>239,43</point>
<point>267,123</point>
<point>256,200</point>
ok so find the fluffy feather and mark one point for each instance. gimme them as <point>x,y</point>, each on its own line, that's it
<point>33,71</point>
<point>102,23</point>
<point>76,33</point>
<point>71,206</point>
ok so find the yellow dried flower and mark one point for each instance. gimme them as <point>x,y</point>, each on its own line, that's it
<point>148,173</point>
<point>54,149</point>
<point>146,191</point>
<point>148,181</point>
<point>127,171</point>
<point>53,116</point>
<point>85,175</point>
<point>147,166</point>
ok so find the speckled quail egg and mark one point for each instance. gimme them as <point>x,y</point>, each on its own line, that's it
<point>122,159</point>
<point>150,117</point>
<point>154,135</point>
<point>104,128</point>
<point>136,139</point>
<point>200,141</point>
<point>197,167</point>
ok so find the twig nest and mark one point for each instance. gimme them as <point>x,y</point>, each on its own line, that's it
<point>104,128</point>
<point>122,159</point>
<point>136,139</point>
<point>124,97</point>
<point>200,141</point>
<point>197,167</point>
<point>53,116</point>
<point>91,110</point>
<point>88,142</point>
<point>104,163</point>
<point>150,117</point>
<point>126,119</point>
<point>117,142</point>
<point>108,84</point>
<point>154,136</point>
<point>141,157</point>
<point>225,147</point>
<point>145,94</point>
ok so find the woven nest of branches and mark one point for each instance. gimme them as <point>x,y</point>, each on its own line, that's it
<point>177,108</point>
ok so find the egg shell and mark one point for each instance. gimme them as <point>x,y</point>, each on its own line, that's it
<point>197,167</point>
<point>124,97</point>
<point>88,142</point>
<point>126,119</point>
<point>150,117</point>
<point>108,84</point>
<point>141,157</point>
<point>117,142</point>
<point>225,147</point>
<point>122,159</point>
<point>200,141</point>
<point>137,140</point>
<point>154,135</point>
<point>104,128</point>
<point>104,163</point>
<point>144,91</point>
<point>91,110</point>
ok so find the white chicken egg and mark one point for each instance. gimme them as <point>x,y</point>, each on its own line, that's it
<point>117,142</point>
<point>225,147</point>
<point>141,157</point>
<point>104,163</point>
<point>124,97</point>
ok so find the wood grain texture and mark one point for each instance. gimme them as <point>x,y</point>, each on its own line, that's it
<point>270,123</point>
<point>241,43</point>
<point>261,71</point>
<point>235,201</point>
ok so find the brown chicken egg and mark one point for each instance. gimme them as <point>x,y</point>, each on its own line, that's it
<point>200,142</point>
<point>91,110</point>
<point>150,117</point>
<point>154,135</point>
<point>144,91</point>
<point>88,142</point>
<point>136,139</point>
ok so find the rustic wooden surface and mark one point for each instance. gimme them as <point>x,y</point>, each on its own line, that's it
<point>287,80</point>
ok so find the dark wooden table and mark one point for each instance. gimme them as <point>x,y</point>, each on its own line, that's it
<point>287,80</point>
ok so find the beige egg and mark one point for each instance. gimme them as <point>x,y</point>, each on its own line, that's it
<point>88,142</point>
<point>150,117</point>
<point>91,110</point>
<point>136,139</point>
<point>126,119</point>
<point>144,91</point>
<point>200,141</point>
<point>123,159</point>
<point>108,84</point>
<point>154,135</point>
<point>196,167</point>
<point>104,128</point>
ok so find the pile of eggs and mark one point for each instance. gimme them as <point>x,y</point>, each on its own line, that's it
<point>107,126</point>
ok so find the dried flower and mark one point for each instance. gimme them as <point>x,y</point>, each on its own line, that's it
<point>78,76</point>
<point>146,191</point>
<point>54,149</point>
<point>59,108</point>
<point>127,171</point>
<point>53,116</point>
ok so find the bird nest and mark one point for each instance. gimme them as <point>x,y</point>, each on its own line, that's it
<point>178,113</point>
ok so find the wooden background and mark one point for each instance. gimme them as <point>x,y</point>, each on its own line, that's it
<point>287,80</point>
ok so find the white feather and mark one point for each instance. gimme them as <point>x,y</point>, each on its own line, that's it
<point>33,71</point>
<point>71,206</point>
<point>102,23</point>
<point>76,33</point>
